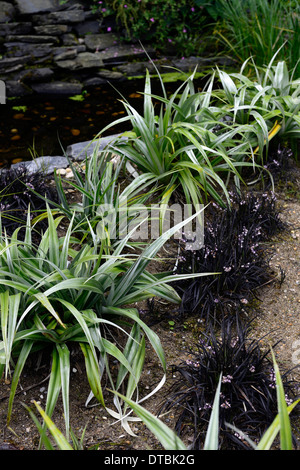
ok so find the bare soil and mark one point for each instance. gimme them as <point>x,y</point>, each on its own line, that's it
<point>278,319</point>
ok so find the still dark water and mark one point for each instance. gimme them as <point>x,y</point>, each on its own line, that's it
<point>46,125</point>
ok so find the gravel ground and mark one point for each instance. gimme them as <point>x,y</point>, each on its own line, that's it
<point>279,317</point>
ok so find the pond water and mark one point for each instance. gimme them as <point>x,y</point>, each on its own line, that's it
<point>36,126</point>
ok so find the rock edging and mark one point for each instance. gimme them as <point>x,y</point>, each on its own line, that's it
<point>75,153</point>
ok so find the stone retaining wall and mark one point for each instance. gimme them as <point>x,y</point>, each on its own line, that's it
<point>50,48</point>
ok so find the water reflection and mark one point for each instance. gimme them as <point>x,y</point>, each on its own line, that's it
<point>36,126</point>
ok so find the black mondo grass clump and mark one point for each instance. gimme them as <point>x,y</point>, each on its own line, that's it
<point>234,246</point>
<point>19,190</point>
<point>248,392</point>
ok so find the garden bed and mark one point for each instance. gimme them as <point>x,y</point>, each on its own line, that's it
<point>78,287</point>
<point>277,320</point>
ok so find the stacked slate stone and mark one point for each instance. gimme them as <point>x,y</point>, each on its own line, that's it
<point>55,47</point>
<point>49,48</point>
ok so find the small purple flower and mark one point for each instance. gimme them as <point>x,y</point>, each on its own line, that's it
<point>192,9</point>
<point>108,29</point>
<point>227,269</point>
<point>226,404</point>
<point>125,6</point>
<point>152,20</point>
<point>227,379</point>
<point>207,406</point>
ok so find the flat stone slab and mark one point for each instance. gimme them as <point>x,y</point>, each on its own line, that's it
<point>62,49</point>
<point>69,39</point>
<point>83,150</point>
<point>43,19</point>
<point>7,12</point>
<point>84,60</point>
<point>52,29</point>
<point>18,49</point>
<point>16,88</point>
<point>11,73</point>
<point>58,88</point>
<point>15,28</point>
<point>27,7</point>
<point>94,81</point>
<point>46,165</point>
<point>110,74</point>
<point>66,55</point>
<point>123,52</point>
<point>9,62</point>
<point>100,41</point>
<point>32,39</point>
<point>37,75</point>
<point>89,60</point>
<point>68,16</point>
<point>137,68</point>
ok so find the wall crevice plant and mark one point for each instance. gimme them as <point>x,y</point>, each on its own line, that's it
<point>174,27</point>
